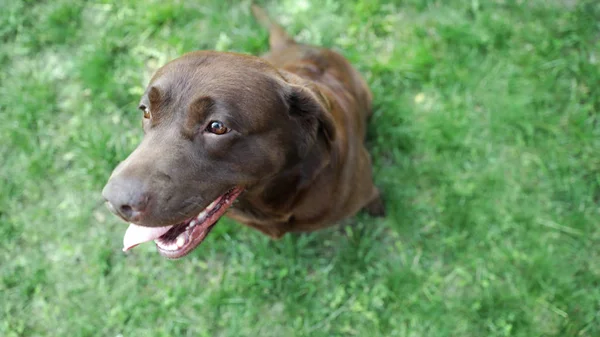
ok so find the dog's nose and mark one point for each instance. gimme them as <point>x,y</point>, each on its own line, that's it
<point>126,197</point>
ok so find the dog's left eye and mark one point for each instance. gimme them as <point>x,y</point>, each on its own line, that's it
<point>216,127</point>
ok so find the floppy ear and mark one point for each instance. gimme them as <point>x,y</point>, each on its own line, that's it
<point>308,107</point>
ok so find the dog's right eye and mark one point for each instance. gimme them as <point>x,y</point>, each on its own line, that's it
<point>146,110</point>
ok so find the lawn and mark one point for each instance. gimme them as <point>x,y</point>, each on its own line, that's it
<point>485,140</point>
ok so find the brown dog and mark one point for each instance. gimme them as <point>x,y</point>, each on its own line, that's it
<point>283,134</point>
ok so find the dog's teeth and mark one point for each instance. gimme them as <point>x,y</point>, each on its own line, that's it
<point>201,215</point>
<point>212,205</point>
<point>166,246</point>
<point>193,223</point>
<point>181,240</point>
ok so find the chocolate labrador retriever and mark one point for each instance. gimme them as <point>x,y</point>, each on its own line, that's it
<point>282,136</point>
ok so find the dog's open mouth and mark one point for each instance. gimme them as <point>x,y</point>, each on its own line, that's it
<point>178,240</point>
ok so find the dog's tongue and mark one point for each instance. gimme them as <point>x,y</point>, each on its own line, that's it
<point>139,234</point>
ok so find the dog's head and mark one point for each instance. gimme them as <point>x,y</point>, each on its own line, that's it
<point>214,125</point>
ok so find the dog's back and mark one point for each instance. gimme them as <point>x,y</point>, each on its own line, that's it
<point>342,187</point>
<point>315,63</point>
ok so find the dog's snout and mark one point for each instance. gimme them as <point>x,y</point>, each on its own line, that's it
<point>130,213</point>
<point>127,198</point>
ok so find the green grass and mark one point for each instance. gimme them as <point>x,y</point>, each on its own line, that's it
<point>485,140</point>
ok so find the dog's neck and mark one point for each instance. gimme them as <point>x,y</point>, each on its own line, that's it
<point>274,199</point>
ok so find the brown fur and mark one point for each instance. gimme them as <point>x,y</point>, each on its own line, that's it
<point>298,117</point>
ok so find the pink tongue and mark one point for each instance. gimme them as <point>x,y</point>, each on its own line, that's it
<point>138,234</point>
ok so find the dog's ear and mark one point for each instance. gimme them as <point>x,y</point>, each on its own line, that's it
<point>308,107</point>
